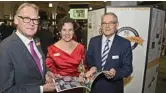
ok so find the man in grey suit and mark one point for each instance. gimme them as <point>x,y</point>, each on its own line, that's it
<point>22,66</point>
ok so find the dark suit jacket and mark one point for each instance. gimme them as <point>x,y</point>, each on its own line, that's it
<point>46,39</point>
<point>18,71</point>
<point>123,65</point>
<point>5,31</point>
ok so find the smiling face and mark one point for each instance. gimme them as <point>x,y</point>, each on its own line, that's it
<point>109,25</point>
<point>28,29</point>
<point>67,32</point>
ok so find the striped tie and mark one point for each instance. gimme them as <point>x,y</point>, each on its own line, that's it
<point>105,54</point>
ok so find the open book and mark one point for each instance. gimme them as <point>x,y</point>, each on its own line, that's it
<point>68,82</point>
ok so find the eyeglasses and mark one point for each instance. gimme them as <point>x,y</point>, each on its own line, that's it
<point>27,20</point>
<point>108,24</point>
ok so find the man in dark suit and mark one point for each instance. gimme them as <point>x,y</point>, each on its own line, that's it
<point>46,37</point>
<point>22,66</point>
<point>109,53</point>
<point>5,30</point>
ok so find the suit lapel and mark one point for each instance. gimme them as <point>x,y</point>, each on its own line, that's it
<point>37,43</point>
<point>24,51</point>
<point>99,45</point>
<point>29,56</point>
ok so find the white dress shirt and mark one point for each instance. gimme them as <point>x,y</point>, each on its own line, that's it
<point>104,42</point>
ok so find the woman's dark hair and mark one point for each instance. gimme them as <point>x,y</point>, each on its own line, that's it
<point>66,20</point>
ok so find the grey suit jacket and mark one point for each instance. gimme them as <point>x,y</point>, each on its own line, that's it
<point>19,73</point>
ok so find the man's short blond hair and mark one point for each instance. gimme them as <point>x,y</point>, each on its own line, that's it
<point>25,5</point>
<point>110,13</point>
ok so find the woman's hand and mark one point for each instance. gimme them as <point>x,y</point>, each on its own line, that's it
<point>81,77</point>
<point>91,72</point>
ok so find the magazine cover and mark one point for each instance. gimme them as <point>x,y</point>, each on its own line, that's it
<point>67,82</point>
<point>64,83</point>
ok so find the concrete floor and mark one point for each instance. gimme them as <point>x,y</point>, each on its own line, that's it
<point>161,79</point>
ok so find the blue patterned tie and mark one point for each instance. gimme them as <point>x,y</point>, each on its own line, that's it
<point>105,54</point>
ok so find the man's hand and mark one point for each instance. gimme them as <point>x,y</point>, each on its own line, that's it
<point>58,76</point>
<point>49,77</point>
<point>50,84</point>
<point>49,87</point>
<point>110,74</point>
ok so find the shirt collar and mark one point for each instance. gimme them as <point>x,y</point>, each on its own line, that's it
<point>104,38</point>
<point>23,38</point>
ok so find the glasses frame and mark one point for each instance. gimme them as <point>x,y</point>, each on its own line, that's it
<point>28,20</point>
<point>109,24</point>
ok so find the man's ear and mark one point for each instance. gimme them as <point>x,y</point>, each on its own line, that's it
<point>117,25</point>
<point>15,20</point>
